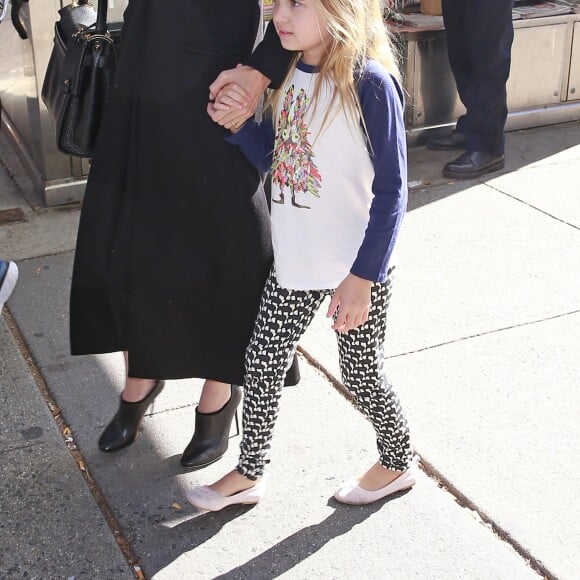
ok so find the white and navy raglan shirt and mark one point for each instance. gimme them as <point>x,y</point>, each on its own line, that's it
<point>339,193</point>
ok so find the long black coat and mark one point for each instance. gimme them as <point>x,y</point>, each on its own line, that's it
<point>174,241</point>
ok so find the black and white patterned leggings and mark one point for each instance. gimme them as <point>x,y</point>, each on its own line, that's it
<point>283,318</point>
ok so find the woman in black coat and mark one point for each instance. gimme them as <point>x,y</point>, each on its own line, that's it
<point>174,243</point>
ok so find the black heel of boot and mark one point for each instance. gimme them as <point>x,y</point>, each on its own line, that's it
<point>292,377</point>
<point>212,433</point>
<point>124,427</point>
<point>237,423</point>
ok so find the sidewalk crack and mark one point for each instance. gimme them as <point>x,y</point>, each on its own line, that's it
<point>477,335</point>
<point>20,447</point>
<point>434,474</point>
<point>133,561</point>
<point>532,206</point>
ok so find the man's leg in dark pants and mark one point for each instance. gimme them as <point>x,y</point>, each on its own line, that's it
<point>479,39</point>
<point>489,33</point>
<point>454,18</point>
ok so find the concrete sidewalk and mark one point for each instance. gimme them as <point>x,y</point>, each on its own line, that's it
<point>484,350</point>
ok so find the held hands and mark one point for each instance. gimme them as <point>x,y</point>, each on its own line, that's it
<point>352,298</point>
<point>234,96</point>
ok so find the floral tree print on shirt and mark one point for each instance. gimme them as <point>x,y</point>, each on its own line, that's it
<point>293,166</point>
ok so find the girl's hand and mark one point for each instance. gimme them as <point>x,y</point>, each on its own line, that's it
<point>234,126</point>
<point>249,80</point>
<point>352,298</point>
<point>228,99</point>
<point>232,96</point>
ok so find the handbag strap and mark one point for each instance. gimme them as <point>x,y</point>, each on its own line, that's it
<point>101,26</point>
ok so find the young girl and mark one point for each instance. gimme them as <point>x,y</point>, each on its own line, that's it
<point>337,155</point>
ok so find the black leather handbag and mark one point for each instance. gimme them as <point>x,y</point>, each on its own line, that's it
<point>79,78</point>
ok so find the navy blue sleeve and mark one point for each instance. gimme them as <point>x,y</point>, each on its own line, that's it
<point>382,105</point>
<point>256,140</point>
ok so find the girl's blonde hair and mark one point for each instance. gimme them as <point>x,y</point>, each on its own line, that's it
<point>357,33</point>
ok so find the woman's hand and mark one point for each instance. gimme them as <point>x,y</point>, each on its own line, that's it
<point>243,88</point>
<point>352,298</point>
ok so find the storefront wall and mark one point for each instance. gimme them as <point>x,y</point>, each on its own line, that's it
<point>543,88</point>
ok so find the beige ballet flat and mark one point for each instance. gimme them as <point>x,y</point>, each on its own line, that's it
<point>205,498</point>
<point>353,494</point>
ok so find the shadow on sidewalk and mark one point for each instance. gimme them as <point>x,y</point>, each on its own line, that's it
<point>281,557</point>
<point>296,548</point>
<point>523,148</point>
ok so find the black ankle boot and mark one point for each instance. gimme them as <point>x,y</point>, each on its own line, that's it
<point>212,433</point>
<point>123,429</point>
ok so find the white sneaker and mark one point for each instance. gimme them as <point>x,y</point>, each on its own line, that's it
<point>352,493</point>
<point>205,498</point>
<point>8,279</point>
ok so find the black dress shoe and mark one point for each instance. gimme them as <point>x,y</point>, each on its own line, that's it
<point>212,432</point>
<point>472,165</point>
<point>455,141</point>
<point>124,427</point>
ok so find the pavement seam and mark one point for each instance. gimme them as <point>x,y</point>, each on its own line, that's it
<point>532,206</point>
<point>485,519</point>
<point>434,474</point>
<point>504,328</point>
<point>178,408</point>
<point>150,414</point>
<point>21,447</point>
<point>49,255</point>
<point>126,548</point>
